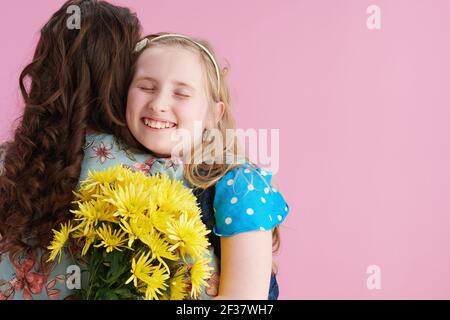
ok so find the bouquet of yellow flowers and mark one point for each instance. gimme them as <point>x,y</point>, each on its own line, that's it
<point>143,237</point>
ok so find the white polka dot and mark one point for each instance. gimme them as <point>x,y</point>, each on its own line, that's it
<point>263,173</point>
<point>247,171</point>
<point>228,220</point>
<point>230,182</point>
<point>251,187</point>
<point>250,211</point>
<point>266,190</point>
<point>262,229</point>
<point>274,190</point>
<point>270,218</point>
<point>234,200</point>
<point>263,200</point>
<point>280,218</point>
<point>286,208</point>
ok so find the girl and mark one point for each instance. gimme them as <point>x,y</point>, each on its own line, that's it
<point>177,85</point>
<point>78,81</point>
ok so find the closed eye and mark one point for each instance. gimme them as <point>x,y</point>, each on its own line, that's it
<point>147,89</point>
<point>182,95</point>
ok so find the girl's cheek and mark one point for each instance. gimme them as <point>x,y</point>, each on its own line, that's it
<point>130,110</point>
<point>133,97</point>
<point>136,104</point>
<point>130,104</point>
<point>128,116</point>
<point>187,110</point>
<point>133,109</point>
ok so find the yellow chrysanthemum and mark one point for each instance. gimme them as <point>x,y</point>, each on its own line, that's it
<point>131,200</point>
<point>189,236</point>
<point>108,176</point>
<point>160,220</point>
<point>178,284</point>
<point>136,227</point>
<point>91,213</point>
<point>159,248</point>
<point>159,212</point>
<point>96,179</point>
<point>171,196</point>
<point>132,177</point>
<point>140,268</point>
<point>194,213</point>
<point>155,278</point>
<point>111,239</point>
<point>84,195</point>
<point>89,238</point>
<point>155,283</point>
<point>200,272</point>
<point>59,241</point>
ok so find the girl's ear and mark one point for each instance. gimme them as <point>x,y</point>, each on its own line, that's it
<point>214,119</point>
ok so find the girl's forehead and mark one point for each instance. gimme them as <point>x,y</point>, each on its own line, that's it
<point>170,60</point>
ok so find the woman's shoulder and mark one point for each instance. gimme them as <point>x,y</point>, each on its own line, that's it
<point>104,148</point>
<point>104,143</point>
<point>92,136</point>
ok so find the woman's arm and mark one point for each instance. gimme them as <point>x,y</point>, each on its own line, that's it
<point>246,266</point>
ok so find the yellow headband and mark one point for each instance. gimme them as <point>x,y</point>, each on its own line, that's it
<point>144,42</point>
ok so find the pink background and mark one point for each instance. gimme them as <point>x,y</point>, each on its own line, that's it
<point>364,125</point>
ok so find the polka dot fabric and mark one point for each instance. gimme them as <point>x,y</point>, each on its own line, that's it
<point>246,201</point>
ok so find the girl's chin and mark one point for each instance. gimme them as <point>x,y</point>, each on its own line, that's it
<point>159,149</point>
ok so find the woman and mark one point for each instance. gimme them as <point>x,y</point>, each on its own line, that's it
<point>76,83</point>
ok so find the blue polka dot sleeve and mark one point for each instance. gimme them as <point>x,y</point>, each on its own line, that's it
<point>246,201</point>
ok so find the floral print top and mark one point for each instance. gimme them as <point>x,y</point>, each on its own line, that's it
<point>27,277</point>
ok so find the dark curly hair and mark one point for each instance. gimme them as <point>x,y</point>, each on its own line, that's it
<point>77,81</point>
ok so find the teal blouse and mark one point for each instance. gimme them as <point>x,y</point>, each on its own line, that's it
<point>245,200</point>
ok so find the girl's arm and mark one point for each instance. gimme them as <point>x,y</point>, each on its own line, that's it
<point>246,266</point>
<point>246,204</point>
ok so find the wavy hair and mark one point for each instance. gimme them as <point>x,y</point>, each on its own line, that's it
<point>77,81</point>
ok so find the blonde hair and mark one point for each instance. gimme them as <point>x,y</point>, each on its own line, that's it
<point>207,173</point>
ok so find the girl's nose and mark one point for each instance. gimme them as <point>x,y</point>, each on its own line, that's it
<point>160,103</point>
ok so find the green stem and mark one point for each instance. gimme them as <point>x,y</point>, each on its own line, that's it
<point>92,274</point>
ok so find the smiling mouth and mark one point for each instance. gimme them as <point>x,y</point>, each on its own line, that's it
<point>155,124</point>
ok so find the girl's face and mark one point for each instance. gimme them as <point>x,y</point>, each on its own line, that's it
<point>167,96</point>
